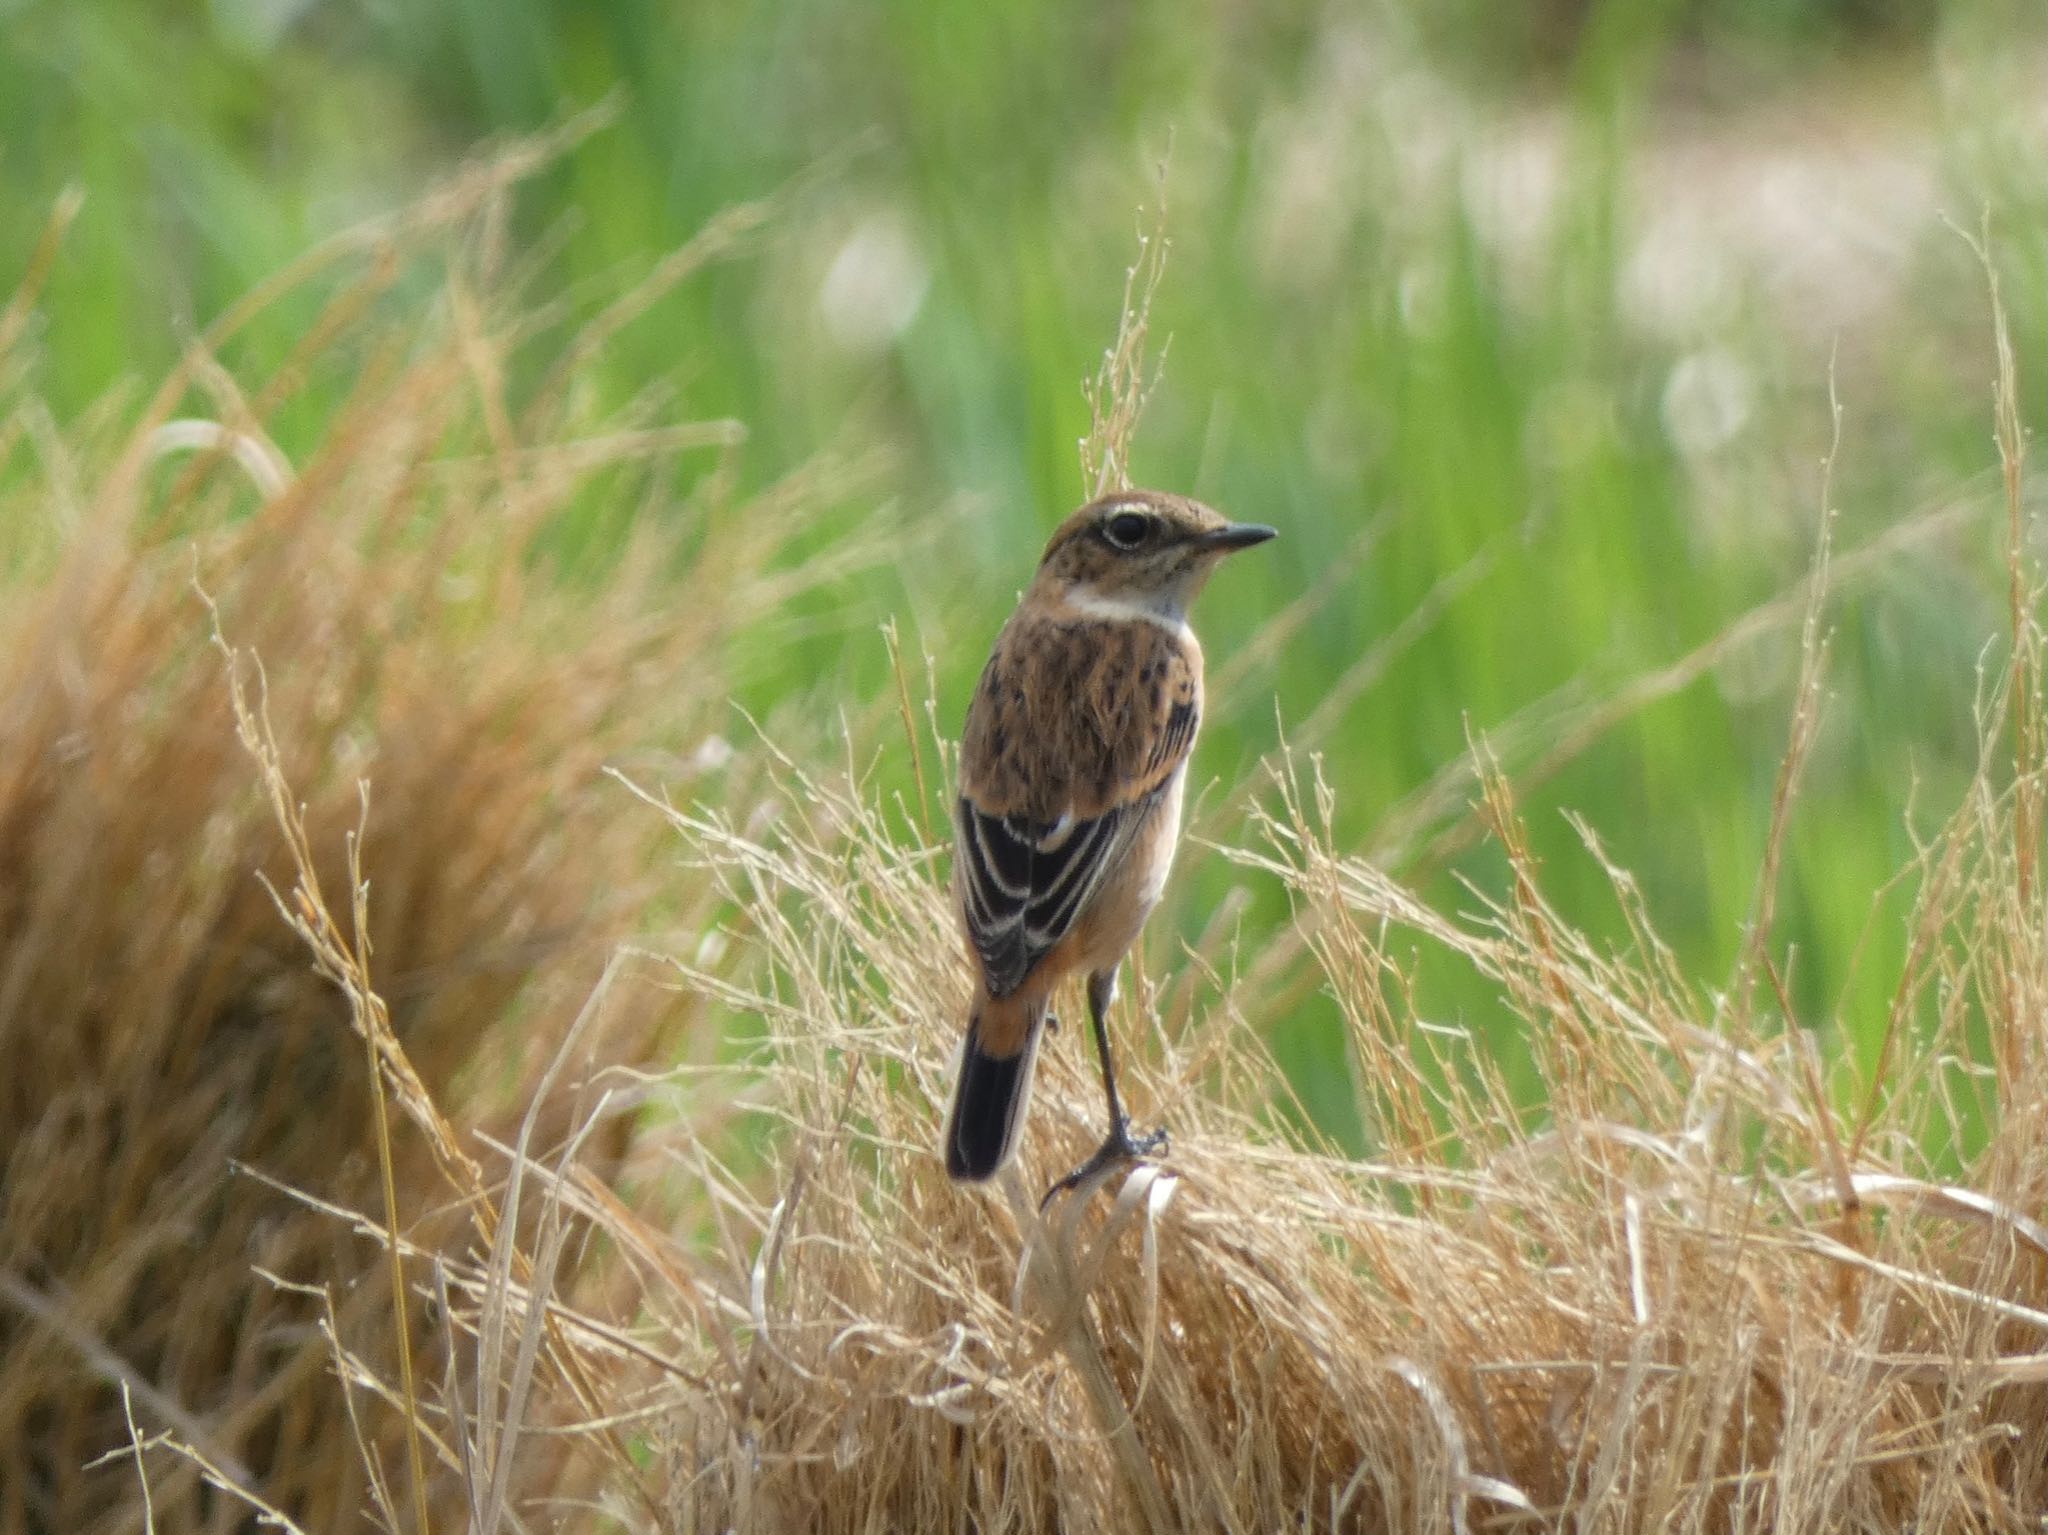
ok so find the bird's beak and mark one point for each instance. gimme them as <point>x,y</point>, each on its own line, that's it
<point>1236,535</point>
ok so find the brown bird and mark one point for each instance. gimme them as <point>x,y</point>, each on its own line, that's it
<point>1071,768</point>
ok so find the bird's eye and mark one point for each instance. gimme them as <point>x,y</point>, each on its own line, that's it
<point>1127,530</point>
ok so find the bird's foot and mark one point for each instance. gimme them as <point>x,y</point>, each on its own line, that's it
<point>1120,1145</point>
<point>1052,1023</point>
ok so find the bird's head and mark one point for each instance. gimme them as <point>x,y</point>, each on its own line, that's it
<point>1141,549</point>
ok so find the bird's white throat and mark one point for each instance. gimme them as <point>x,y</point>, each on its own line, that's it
<point>1168,609</point>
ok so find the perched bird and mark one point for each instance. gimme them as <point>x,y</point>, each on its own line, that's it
<point>1071,768</point>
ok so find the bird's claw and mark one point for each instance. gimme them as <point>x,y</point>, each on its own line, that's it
<point>1120,1145</point>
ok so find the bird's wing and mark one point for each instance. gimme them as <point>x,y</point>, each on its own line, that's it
<point>1056,783</point>
<point>1023,883</point>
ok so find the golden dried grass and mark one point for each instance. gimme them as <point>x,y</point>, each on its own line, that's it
<point>173,1062</point>
<point>1678,1298</point>
<point>1675,1299</point>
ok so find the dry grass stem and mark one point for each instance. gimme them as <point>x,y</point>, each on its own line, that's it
<point>1117,394</point>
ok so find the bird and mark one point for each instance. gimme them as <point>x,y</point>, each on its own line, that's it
<point>1072,765</point>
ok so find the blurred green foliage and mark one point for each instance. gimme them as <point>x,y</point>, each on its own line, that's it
<point>1556,294</point>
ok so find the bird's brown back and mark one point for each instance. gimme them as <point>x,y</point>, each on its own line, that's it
<point>1113,732</point>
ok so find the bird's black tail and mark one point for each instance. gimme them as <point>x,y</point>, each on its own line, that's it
<point>988,1104</point>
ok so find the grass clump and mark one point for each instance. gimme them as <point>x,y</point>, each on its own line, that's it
<point>373,520</point>
<point>1674,1299</point>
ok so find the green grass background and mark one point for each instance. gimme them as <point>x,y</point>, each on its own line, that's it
<point>1355,345</point>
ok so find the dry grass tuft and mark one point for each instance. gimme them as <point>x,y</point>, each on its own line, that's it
<point>162,1027</point>
<point>1673,1300</point>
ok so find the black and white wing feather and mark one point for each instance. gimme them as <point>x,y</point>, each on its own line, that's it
<point>1025,883</point>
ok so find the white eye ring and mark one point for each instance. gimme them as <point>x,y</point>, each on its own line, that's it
<point>1127,530</point>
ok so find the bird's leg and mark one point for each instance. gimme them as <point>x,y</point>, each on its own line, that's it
<point>1119,1145</point>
